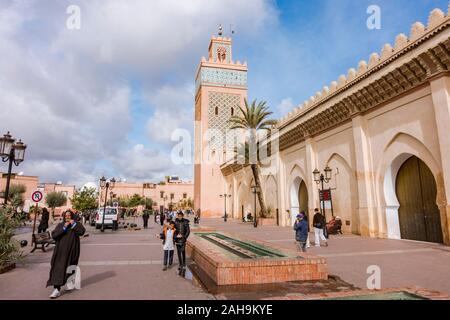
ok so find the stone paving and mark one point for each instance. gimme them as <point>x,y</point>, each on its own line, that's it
<point>402,262</point>
<point>127,264</point>
<point>114,265</point>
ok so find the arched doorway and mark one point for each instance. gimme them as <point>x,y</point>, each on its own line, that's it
<point>299,198</point>
<point>303,198</point>
<point>419,216</point>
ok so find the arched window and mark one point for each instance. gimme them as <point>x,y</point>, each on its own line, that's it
<point>216,111</point>
<point>232,111</point>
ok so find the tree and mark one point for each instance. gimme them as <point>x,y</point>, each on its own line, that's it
<point>253,119</point>
<point>16,196</point>
<point>147,203</point>
<point>55,200</point>
<point>85,199</point>
<point>135,200</point>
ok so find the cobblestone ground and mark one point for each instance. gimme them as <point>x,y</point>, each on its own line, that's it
<point>114,265</point>
<point>128,264</point>
<point>402,262</point>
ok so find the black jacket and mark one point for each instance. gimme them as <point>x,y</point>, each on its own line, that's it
<point>182,227</point>
<point>319,221</point>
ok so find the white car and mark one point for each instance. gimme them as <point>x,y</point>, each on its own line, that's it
<point>111,218</point>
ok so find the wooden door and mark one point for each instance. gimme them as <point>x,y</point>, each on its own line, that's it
<point>303,198</point>
<point>419,215</point>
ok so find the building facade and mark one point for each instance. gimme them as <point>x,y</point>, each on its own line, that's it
<point>169,194</point>
<point>383,129</point>
<point>32,184</point>
<point>67,190</point>
<point>221,87</point>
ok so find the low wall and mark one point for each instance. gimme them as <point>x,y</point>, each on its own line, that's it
<point>224,270</point>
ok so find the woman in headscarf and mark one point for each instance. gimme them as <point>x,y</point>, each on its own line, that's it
<point>66,253</point>
<point>43,225</point>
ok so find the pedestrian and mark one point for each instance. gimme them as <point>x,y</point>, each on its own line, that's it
<point>319,224</point>
<point>168,244</point>
<point>145,217</point>
<point>305,217</point>
<point>161,218</point>
<point>66,253</point>
<point>43,224</point>
<point>301,231</point>
<point>182,232</point>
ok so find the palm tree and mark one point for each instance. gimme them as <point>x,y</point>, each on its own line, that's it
<point>254,118</point>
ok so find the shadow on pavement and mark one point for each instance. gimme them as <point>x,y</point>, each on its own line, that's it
<point>97,278</point>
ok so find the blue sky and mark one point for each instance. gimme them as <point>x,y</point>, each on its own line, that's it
<point>110,94</point>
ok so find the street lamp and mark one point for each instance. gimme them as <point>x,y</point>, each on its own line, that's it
<point>11,151</point>
<point>320,178</point>
<point>225,196</point>
<point>255,189</point>
<point>105,184</point>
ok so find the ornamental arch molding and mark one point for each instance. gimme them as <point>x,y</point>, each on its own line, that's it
<point>399,149</point>
<point>344,193</point>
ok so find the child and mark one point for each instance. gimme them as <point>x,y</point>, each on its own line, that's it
<point>301,231</point>
<point>168,244</point>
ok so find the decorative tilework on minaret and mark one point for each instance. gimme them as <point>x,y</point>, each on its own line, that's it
<point>220,89</point>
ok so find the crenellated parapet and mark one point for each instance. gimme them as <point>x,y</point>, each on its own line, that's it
<point>396,69</point>
<point>437,22</point>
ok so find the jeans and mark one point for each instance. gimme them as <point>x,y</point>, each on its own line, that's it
<point>302,245</point>
<point>318,235</point>
<point>181,252</point>
<point>168,257</point>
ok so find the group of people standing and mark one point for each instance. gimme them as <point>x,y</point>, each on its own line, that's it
<point>301,227</point>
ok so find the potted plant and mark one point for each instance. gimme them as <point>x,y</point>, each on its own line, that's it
<point>10,252</point>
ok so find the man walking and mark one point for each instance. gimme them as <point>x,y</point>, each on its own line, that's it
<point>182,232</point>
<point>43,225</point>
<point>319,224</point>
<point>145,216</point>
<point>161,218</point>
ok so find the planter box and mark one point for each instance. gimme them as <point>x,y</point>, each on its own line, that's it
<point>6,268</point>
<point>267,221</point>
<point>225,268</point>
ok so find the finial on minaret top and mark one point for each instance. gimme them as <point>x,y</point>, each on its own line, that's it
<point>220,30</point>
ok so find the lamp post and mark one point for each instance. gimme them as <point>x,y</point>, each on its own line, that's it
<point>320,178</point>
<point>104,184</point>
<point>225,196</point>
<point>255,190</point>
<point>11,151</point>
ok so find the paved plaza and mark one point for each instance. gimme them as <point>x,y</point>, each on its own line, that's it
<point>128,264</point>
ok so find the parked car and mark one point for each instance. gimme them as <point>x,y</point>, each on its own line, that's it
<point>111,218</point>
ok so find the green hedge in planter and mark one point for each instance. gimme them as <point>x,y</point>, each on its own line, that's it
<point>9,248</point>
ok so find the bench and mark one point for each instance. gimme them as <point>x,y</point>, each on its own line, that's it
<point>43,239</point>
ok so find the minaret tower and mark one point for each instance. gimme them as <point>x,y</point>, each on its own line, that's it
<point>221,87</point>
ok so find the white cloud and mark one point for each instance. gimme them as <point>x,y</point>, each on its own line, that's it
<point>67,92</point>
<point>174,108</point>
<point>285,106</point>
